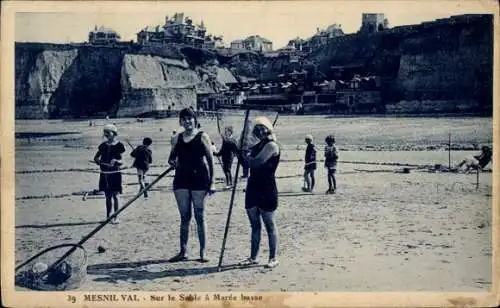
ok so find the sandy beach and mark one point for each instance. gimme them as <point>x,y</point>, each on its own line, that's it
<point>382,231</point>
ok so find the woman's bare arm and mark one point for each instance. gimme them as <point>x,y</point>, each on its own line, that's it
<point>209,155</point>
<point>172,158</point>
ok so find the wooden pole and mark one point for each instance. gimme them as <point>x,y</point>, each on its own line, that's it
<point>449,151</point>
<point>477,178</point>
<point>109,219</point>
<point>231,202</point>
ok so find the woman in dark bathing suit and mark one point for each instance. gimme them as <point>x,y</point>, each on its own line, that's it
<point>261,199</point>
<point>193,179</point>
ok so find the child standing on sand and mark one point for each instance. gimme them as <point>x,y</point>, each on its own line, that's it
<point>109,159</point>
<point>310,165</point>
<point>143,158</point>
<point>227,152</point>
<point>331,157</point>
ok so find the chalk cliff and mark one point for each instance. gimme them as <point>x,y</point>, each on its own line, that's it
<point>54,81</point>
<point>39,81</point>
<point>444,66</point>
<point>448,61</point>
<point>151,84</point>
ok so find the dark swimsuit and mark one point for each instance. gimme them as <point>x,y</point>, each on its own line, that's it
<point>191,172</point>
<point>111,178</point>
<point>261,185</point>
<point>227,153</point>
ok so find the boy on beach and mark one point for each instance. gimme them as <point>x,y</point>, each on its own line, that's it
<point>143,158</point>
<point>227,152</point>
<point>310,165</point>
<point>331,157</point>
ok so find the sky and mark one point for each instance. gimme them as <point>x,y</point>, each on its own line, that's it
<point>278,21</point>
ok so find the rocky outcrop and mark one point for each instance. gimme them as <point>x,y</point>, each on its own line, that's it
<point>41,82</point>
<point>448,61</point>
<point>443,66</point>
<point>84,81</point>
<point>154,84</point>
<point>91,86</point>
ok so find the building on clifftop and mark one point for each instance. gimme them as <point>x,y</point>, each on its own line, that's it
<point>373,22</point>
<point>318,40</point>
<point>103,36</point>
<point>253,42</point>
<point>176,30</point>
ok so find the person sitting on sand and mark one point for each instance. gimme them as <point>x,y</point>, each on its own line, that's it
<point>227,152</point>
<point>143,158</point>
<point>331,157</point>
<point>109,159</point>
<point>477,162</point>
<point>310,165</point>
<point>261,196</point>
<point>193,179</point>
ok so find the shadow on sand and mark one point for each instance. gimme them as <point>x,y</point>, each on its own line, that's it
<point>116,272</point>
<point>66,224</point>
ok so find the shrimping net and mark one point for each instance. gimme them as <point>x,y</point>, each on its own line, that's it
<point>236,120</point>
<point>37,273</point>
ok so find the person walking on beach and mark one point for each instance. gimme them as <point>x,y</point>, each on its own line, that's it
<point>310,165</point>
<point>193,179</point>
<point>227,153</point>
<point>261,198</point>
<point>331,157</point>
<point>109,159</point>
<point>143,158</point>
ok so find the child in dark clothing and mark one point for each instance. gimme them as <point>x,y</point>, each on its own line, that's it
<point>143,158</point>
<point>109,158</point>
<point>310,165</point>
<point>331,157</point>
<point>227,152</point>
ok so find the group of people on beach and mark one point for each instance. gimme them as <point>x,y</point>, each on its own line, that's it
<point>192,156</point>
<point>331,157</point>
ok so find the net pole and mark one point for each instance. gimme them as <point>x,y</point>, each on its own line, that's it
<point>88,236</point>
<point>231,202</point>
<point>477,178</point>
<point>449,151</point>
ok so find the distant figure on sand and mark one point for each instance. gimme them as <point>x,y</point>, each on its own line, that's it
<point>261,198</point>
<point>227,152</point>
<point>109,159</point>
<point>143,158</point>
<point>193,179</point>
<point>331,156</point>
<point>477,162</point>
<point>310,165</point>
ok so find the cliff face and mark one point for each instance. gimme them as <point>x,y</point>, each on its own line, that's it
<point>152,84</point>
<point>445,65</point>
<point>78,81</point>
<point>91,85</point>
<point>40,76</point>
<point>449,61</point>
